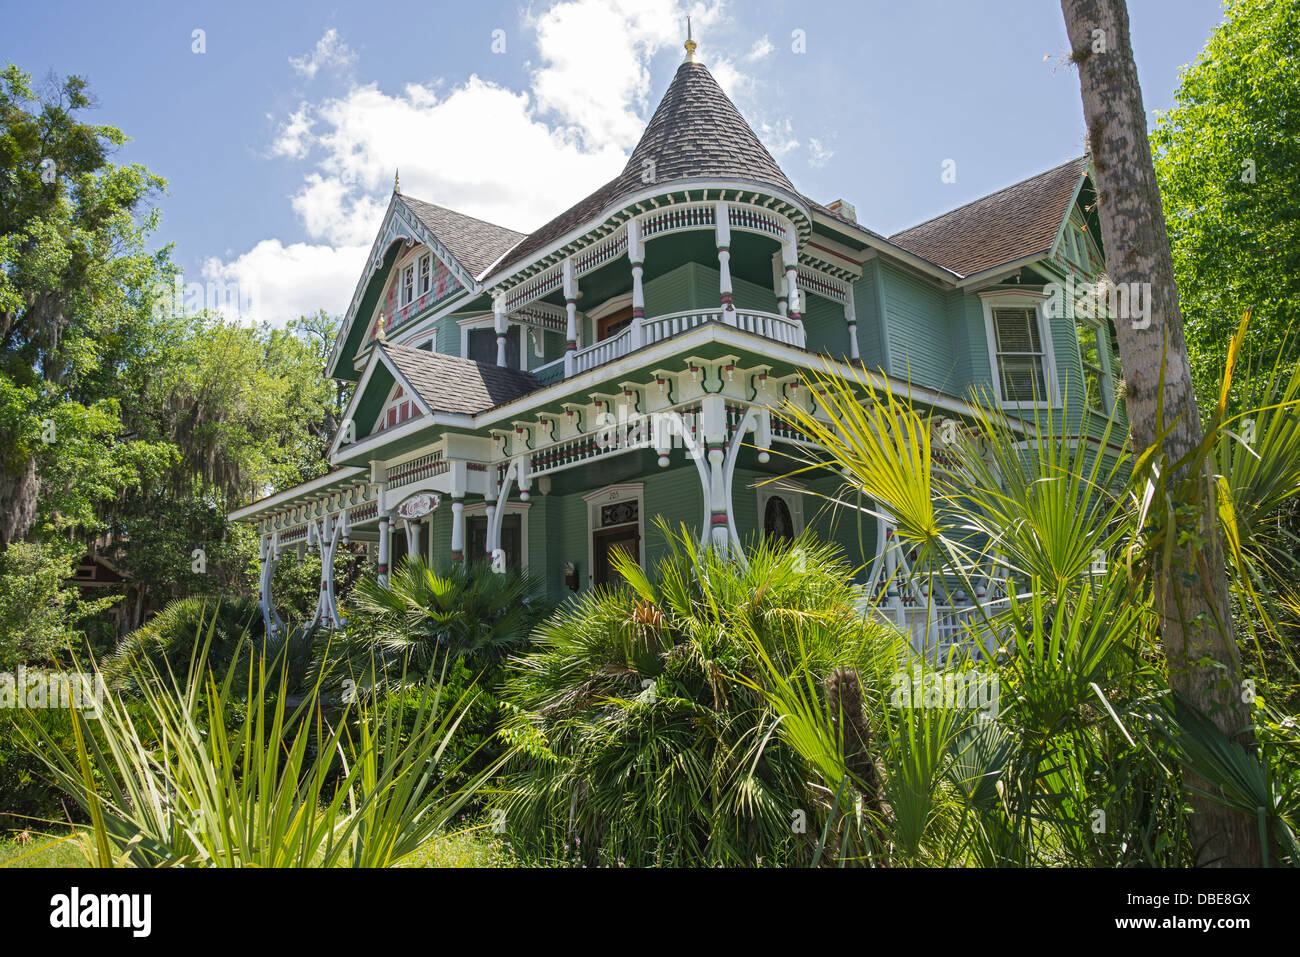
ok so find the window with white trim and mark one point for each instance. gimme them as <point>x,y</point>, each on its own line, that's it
<point>425,274</point>
<point>780,510</point>
<point>1020,355</point>
<point>1092,355</point>
<point>408,284</point>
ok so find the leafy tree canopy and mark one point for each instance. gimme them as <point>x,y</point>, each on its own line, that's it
<point>1226,158</point>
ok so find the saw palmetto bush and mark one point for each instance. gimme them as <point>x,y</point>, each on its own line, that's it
<point>641,740</point>
<point>196,774</point>
<point>1082,764</point>
<point>167,639</point>
<point>424,614</point>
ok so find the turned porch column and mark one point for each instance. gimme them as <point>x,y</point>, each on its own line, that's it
<point>636,255</point>
<point>790,259</point>
<point>713,426</point>
<point>491,511</point>
<point>722,237</point>
<point>457,528</point>
<point>499,324</point>
<point>271,551</point>
<point>571,308</point>
<point>851,320</point>
<point>385,547</point>
<point>412,536</point>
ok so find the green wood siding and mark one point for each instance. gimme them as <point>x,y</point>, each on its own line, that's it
<point>870,332</point>
<point>920,345</point>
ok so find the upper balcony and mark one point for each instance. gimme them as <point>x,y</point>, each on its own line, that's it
<point>645,331</point>
<point>661,274</point>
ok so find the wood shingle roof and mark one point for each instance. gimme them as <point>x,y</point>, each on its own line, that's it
<point>476,243</point>
<point>451,384</point>
<point>1003,227</point>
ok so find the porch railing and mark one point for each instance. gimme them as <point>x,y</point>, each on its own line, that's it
<point>646,331</point>
<point>935,629</point>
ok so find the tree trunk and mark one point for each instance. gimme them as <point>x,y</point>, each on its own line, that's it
<point>17,499</point>
<point>1192,590</point>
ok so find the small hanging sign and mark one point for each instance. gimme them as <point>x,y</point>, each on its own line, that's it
<point>418,506</point>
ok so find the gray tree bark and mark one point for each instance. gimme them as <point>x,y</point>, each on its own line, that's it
<point>1192,590</point>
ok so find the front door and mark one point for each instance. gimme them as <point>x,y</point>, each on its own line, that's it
<point>605,542</point>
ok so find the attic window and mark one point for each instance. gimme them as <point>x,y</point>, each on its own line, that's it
<point>408,284</point>
<point>398,409</point>
<point>424,275</point>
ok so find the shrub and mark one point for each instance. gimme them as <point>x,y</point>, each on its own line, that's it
<point>38,611</point>
<point>269,790</point>
<point>641,738</point>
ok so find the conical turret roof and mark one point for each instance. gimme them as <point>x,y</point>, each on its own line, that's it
<point>695,134</point>
<point>698,133</point>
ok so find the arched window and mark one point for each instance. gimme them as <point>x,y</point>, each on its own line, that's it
<point>777,521</point>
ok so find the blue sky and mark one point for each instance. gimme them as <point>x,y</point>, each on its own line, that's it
<point>279,141</point>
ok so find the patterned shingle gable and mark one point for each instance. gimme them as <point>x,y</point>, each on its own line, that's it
<point>1003,227</point>
<point>451,384</point>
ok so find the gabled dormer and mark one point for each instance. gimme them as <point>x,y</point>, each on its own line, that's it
<point>423,264</point>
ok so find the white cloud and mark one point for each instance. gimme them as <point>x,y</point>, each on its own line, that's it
<point>818,154</point>
<point>511,157</point>
<point>761,50</point>
<point>291,142</point>
<point>478,149</point>
<point>596,56</point>
<point>330,51</point>
<point>331,211</point>
<point>739,86</point>
<point>275,283</point>
<point>778,136</point>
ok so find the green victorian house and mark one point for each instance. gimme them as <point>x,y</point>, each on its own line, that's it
<point>539,399</point>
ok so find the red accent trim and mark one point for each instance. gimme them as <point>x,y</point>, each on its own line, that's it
<point>835,254</point>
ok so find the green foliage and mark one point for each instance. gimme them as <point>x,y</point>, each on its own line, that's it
<point>466,610</point>
<point>641,740</point>
<point>1226,157</point>
<point>1086,751</point>
<point>39,611</point>
<point>277,788</point>
<point>120,419</point>
<point>168,642</point>
<point>74,266</point>
<point>32,798</point>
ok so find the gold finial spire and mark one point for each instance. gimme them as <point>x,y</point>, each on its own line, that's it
<point>379,330</point>
<point>690,43</point>
<point>397,180</point>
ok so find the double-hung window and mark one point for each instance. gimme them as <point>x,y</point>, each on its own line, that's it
<point>1094,369</point>
<point>408,284</point>
<point>424,275</point>
<point>1020,356</point>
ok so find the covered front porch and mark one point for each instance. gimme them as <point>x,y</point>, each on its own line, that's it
<point>559,503</point>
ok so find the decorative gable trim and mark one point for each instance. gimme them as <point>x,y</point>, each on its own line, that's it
<point>377,357</point>
<point>400,224</point>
